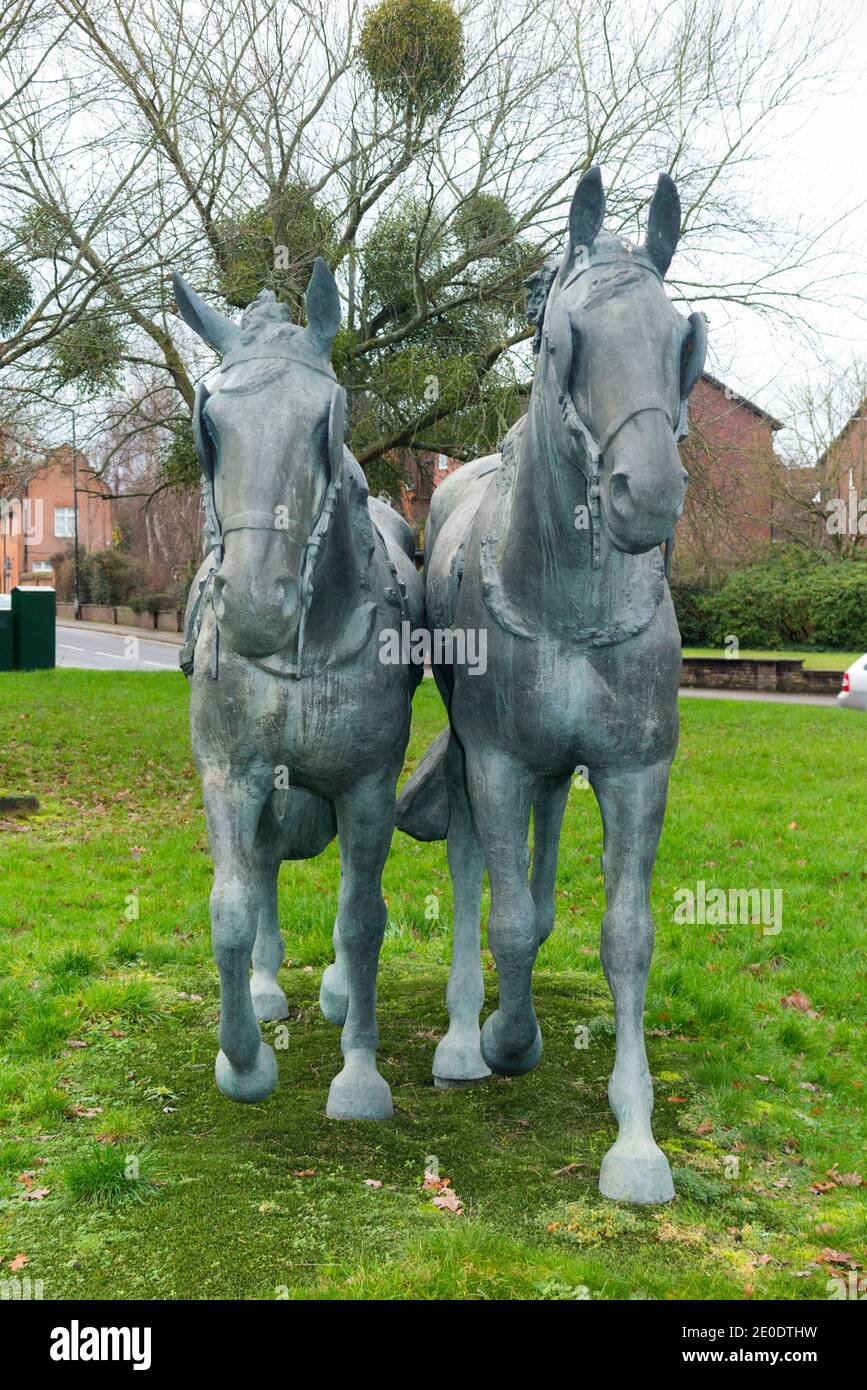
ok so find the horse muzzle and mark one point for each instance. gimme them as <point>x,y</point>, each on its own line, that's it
<point>643,487</point>
<point>255,622</point>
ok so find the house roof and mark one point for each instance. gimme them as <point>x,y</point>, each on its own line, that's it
<point>732,395</point>
<point>859,416</point>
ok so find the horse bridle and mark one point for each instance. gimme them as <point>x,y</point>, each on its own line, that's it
<point>588,457</point>
<point>258,520</point>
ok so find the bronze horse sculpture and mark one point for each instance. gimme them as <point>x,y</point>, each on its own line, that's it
<point>554,547</point>
<point>298,728</point>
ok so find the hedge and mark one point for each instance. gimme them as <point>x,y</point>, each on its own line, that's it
<point>791,598</point>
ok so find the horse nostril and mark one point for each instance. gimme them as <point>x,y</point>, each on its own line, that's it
<point>619,488</point>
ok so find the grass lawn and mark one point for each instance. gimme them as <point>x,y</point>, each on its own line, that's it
<point>813,661</point>
<point>126,1175</point>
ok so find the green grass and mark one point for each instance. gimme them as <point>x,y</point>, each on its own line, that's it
<point>109,1001</point>
<point>813,661</point>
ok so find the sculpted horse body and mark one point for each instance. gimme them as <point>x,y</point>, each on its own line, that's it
<point>554,548</point>
<point>298,728</point>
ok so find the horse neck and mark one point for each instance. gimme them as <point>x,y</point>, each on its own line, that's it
<point>546,559</point>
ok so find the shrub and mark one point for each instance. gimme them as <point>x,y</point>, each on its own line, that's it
<point>104,576</point>
<point>790,598</point>
<point>154,603</point>
<point>690,605</point>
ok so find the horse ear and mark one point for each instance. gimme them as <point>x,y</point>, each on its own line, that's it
<point>663,223</point>
<point>587,210</point>
<point>323,306</point>
<point>693,353</point>
<point>213,328</point>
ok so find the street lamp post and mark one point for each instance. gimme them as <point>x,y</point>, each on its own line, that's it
<point>76,592</point>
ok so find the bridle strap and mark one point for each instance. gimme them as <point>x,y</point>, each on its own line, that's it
<point>616,425</point>
<point>264,521</point>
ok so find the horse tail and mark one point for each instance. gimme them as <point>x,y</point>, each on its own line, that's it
<point>423,804</point>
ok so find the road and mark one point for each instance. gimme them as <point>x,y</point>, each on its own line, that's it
<point>94,650</point>
<point>110,651</point>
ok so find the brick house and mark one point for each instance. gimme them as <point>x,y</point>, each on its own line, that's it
<point>841,475</point>
<point>424,473</point>
<point>38,516</point>
<point>734,475</point>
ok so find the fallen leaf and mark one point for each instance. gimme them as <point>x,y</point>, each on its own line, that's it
<point>75,1042</point>
<point>18,1262</point>
<point>837,1257</point>
<point>447,1200</point>
<point>305,1173</point>
<point>850,1179</point>
<point>798,1000</point>
<point>35,1194</point>
<point>821,1187</point>
<point>372,1182</point>
<point>677,1100</point>
<point>705,1127</point>
<point>85,1113</point>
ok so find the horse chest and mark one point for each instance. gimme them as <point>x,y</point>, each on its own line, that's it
<point>566,707</point>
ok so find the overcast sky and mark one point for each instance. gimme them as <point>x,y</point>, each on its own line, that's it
<point>817,173</point>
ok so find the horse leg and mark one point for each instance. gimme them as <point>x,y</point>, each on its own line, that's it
<point>501,790</point>
<point>269,1001</point>
<point>246,1068</point>
<point>365,821</point>
<point>549,805</point>
<point>458,1059</point>
<point>334,990</point>
<point>632,802</point>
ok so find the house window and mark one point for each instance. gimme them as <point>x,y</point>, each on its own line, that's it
<point>42,567</point>
<point>64,522</point>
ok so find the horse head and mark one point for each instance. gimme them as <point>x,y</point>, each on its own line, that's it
<point>617,363</point>
<point>268,428</point>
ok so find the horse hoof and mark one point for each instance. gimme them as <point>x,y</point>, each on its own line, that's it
<point>359,1093</point>
<point>458,1061</point>
<point>333,1002</point>
<point>250,1084</point>
<point>636,1172</point>
<point>269,1003</point>
<point>506,1060</point>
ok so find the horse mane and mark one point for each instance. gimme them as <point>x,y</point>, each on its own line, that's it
<point>538,287</point>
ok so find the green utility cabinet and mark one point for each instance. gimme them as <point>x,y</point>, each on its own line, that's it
<point>34,612</point>
<point>7,646</point>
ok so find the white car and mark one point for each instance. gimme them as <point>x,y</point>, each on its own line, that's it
<point>854,692</point>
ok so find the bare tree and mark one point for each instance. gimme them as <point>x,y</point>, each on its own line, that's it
<point>822,489</point>
<point>168,136</point>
